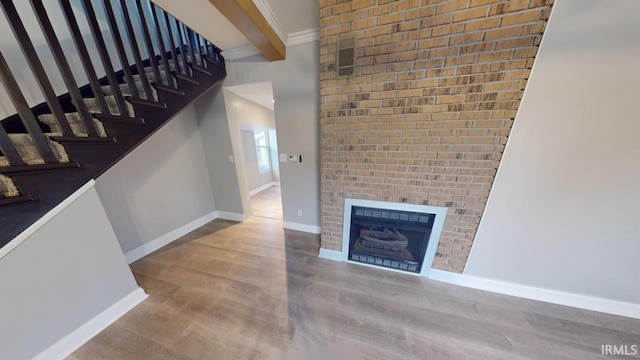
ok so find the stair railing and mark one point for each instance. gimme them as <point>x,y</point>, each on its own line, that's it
<point>170,47</point>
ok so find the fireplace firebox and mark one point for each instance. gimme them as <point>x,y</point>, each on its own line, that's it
<point>390,238</point>
<point>396,236</point>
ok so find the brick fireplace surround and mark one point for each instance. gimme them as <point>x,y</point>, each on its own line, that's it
<point>426,116</point>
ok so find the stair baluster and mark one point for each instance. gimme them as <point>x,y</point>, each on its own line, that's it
<point>104,57</point>
<point>126,17</point>
<point>122,55</point>
<point>147,40</point>
<point>9,149</point>
<point>183,50</point>
<point>174,53</point>
<point>24,111</point>
<point>163,50</point>
<point>35,64</point>
<point>193,49</point>
<point>89,69</point>
<point>63,66</point>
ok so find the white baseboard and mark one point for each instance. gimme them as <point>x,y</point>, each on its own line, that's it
<point>301,227</point>
<point>529,292</point>
<point>15,242</point>
<point>263,188</point>
<point>230,216</point>
<point>148,248</point>
<point>331,254</point>
<point>91,328</point>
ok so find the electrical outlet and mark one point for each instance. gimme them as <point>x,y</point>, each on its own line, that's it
<point>230,158</point>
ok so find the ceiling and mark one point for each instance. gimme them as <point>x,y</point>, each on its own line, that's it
<point>259,93</point>
<point>290,15</point>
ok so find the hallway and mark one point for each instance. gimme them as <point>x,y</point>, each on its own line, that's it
<point>267,203</point>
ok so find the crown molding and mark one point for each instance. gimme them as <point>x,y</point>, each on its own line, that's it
<point>271,18</point>
<point>303,36</point>
<point>240,52</point>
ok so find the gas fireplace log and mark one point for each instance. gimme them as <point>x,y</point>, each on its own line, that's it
<point>387,239</point>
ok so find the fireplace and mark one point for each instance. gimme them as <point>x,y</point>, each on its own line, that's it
<point>401,237</point>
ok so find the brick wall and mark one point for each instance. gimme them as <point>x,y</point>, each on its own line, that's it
<point>426,116</point>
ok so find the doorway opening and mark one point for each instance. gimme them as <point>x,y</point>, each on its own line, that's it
<point>253,109</point>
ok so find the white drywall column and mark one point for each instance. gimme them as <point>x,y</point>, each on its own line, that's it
<point>563,211</point>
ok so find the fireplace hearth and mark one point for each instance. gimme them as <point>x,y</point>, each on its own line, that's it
<point>401,237</point>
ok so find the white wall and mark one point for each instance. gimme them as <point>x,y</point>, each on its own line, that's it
<point>296,89</point>
<point>160,186</point>
<point>563,212</point>
<point>62,276</point>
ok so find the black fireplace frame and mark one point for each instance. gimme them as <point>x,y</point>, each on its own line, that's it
<point>418,227</point>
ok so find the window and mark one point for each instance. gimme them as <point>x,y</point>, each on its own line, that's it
<point>262,150</point>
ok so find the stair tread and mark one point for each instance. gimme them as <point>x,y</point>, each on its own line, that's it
<point>12,200</point>
<point>29,152</point>
<point>8,188</point>
<point>92,105</point>
<point>126,91</point>
<point>9,170</point>
<point>167,78</point>
<point>76,123</point>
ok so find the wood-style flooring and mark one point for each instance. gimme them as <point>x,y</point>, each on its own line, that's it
<point>255,291</point>
<point>267,203</point>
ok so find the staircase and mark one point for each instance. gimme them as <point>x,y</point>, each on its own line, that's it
<point>49,151</point>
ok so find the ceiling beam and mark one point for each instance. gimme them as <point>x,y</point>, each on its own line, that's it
<point>247,18</point>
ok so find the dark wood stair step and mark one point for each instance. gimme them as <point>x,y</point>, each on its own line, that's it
<point>212,61</point>
<point>119,119</point>
<point>200,69</point>
<point>167,89</point>
<point>34,169</point>
<point>84,140</point>
<point>138,101</point>
<point>186,78</point>
<point>17,200</point>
